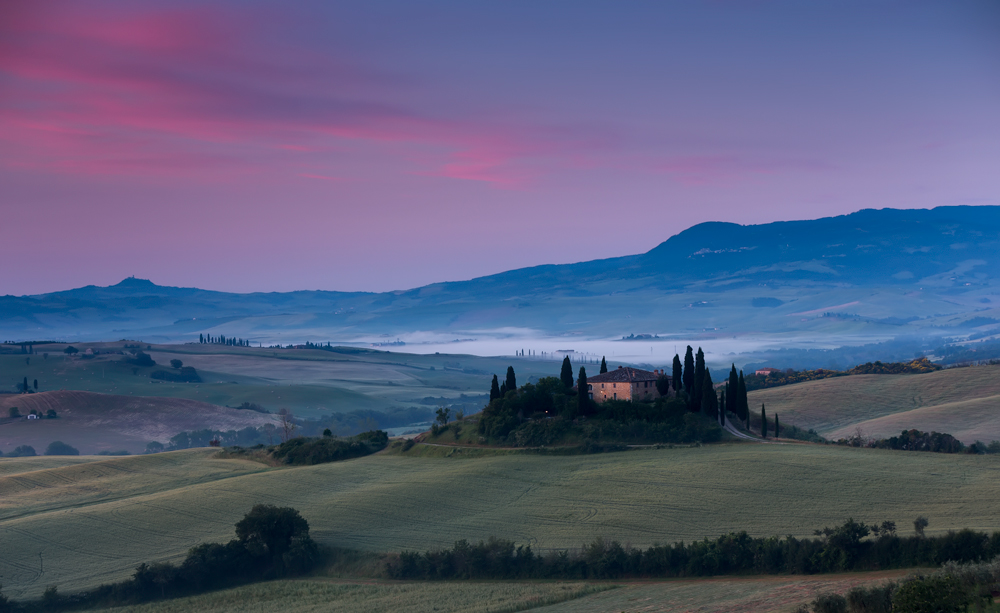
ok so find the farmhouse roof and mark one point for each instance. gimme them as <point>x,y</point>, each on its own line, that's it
<point>625,374</point>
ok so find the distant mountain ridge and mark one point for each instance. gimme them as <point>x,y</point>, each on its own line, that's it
<point>948,255</point>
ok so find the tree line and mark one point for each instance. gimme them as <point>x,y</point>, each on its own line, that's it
<point>207,339</point>
<point>852,546</point>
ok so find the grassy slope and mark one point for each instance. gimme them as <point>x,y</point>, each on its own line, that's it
<point>370,597</point>
<point>96,422</point>
<point>387,502</point>
<point>310,382</point>
<point>759,594</point>
<point>835,406</point>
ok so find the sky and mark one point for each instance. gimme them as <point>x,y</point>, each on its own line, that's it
<point>272,146</point>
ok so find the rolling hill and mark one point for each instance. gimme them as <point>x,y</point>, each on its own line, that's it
<point>874,273</point>
<point>94,522</point>
<point>964,402</point>
<point>98,422</point>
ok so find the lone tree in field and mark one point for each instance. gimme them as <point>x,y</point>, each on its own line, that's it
<point>36,385</point>
<point>511,382</point>
<point>763,422</point>
<point>273,530</point>
<point>919,524</point>
<point>677,373</point>
<point>494,389</point>
<point>604,365</point>
<point>777,428</point>
<point>582,393</point>
<point>70,350</point>
<point>689,370</point>
<point>176,363</point>
<point>567,373</point>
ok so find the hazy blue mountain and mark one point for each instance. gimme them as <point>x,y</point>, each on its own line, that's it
<point>877,271</point>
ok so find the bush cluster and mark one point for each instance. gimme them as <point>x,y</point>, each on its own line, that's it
<point>309,451</point>
<point>185,374</point>
<point>843,548</point>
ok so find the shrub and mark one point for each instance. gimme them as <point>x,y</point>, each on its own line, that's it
<point>408,444</point>
<point>187,374</point>
<point>871,599</point>
<point>175,363</point>
<point>931,595</point>
<point>154,447</point>
<point>830,603</point>
<point>14,412</point>
<point>61,448</point>
<point>309,451</point>
<point>51,414</point>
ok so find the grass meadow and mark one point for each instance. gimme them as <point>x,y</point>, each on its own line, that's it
<point>371,597</point>
<point>960,401</point>
<point>783,594</point>
<point>82,524</point>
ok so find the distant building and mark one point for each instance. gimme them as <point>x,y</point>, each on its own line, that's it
<point>32,416</point>
<point>765,371</point>
<point>624,383</point>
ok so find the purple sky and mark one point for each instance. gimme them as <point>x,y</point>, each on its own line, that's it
<point>250,146</point>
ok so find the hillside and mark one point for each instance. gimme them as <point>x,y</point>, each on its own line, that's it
<point>825,278</point>
<point>161,505</point>
<point>96,422</point>
<point>959,401</point>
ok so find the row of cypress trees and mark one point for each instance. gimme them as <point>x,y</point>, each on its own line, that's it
<point>693,377</point>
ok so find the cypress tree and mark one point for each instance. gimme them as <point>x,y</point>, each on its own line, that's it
<point>201,338</point>
<point>503,390</point>
<point>722,406</point>
<point>763,422</point>
<point>707,394</point>
<point>731,397</point>
<point>511,380</point>
<point>742,404</point>
<point>677,376</point>
<point>25,388</point>
<point>699,380</point>
<point>777,428</point>
<point>494,389</point>
<point>36,385</point>
<point>688,370</point>
<point>567,373</point>
<point>604,365</point>
<point>582,393</point>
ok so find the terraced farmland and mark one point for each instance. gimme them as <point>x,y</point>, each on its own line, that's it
<point>91,528</point>
<point>964,402</point>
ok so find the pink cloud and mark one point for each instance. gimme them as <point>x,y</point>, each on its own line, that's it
<point>168,92</point>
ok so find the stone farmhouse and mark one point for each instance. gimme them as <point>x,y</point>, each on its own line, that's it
<point>624,383</point>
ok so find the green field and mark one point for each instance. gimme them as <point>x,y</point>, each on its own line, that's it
<point>310,382</point>
<point>964,402</point>
<point>759,594</point>
<point>93,523</point>
<point>372,597</point>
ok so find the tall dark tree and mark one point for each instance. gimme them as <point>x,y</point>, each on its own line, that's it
<point>777,427</point>
<point>494,389</point>
<point>511,379</point>
<point>582,393</point>
<point>36,385</point>
<point>503,390</point>
<point>742,405</point>
<point>699,380</point>
<point>734,382</point>
<point>763,422</point>
<point>689,370</point>
<point>604,365</point>
<point>25,386</point>
<point>567,372</point>
<point>201,338</point>
<point>708,399</point>
<point>677,373</point>
<point>722,406</point>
